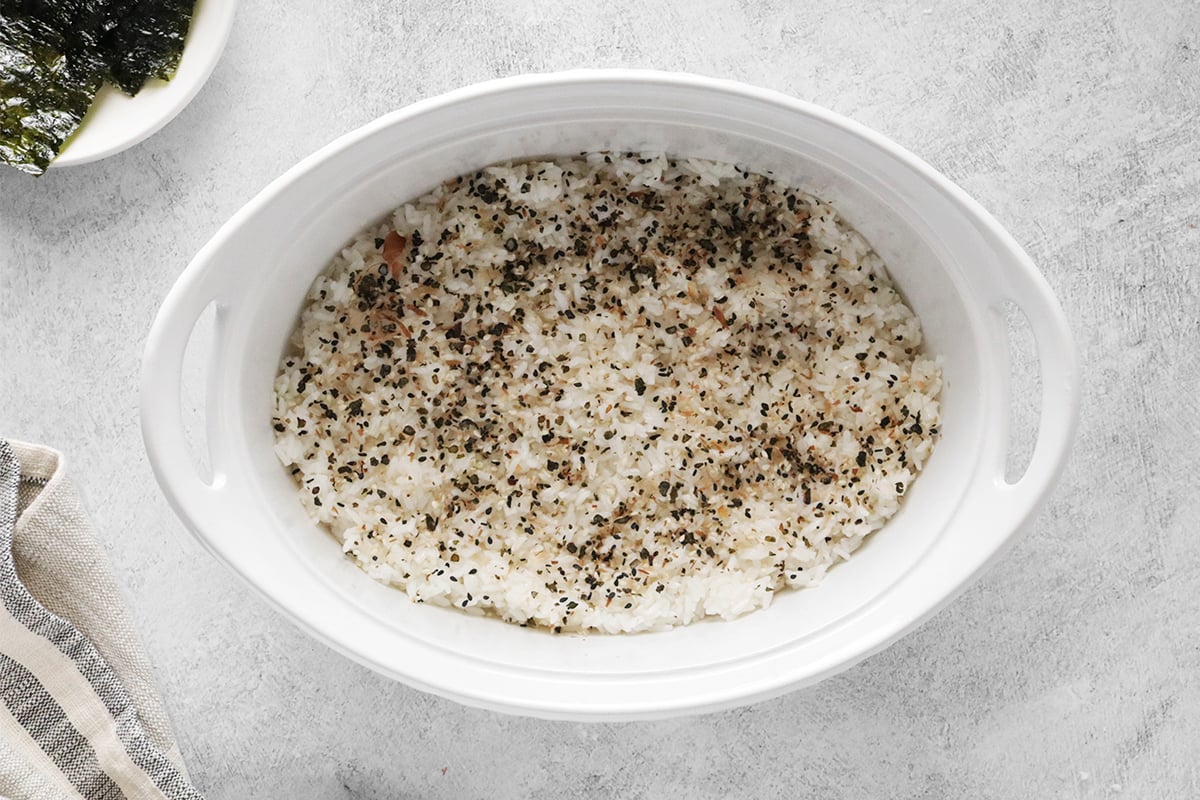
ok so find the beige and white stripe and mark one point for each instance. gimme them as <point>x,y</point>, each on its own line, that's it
<point>69,727</point>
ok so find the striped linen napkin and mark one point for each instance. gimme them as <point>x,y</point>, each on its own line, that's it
<point>79,714</point>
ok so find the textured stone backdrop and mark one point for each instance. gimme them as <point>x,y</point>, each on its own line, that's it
<point>1071,671</point>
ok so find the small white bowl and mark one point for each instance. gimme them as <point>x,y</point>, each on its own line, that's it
<point>954,263</point>
<point>117,121</point>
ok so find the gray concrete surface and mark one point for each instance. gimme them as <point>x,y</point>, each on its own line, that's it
<point>1071,671</point>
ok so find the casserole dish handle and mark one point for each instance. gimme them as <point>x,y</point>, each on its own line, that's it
<point>1022,285</point>
<point>163,431</point>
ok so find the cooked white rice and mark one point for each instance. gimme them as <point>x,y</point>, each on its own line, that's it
<point>605,393</point>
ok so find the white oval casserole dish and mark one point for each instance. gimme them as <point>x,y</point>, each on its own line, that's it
<point>955,264</point>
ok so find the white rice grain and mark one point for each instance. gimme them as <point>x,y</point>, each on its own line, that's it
<point>612,393</point>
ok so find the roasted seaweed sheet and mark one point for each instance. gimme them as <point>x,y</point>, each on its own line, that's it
<point>147,42</point>
<point>54,55</point>
<point>81,23</point>
<point>43,93</point>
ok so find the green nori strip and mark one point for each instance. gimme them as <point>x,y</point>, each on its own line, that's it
<point>134,39</point>
<point>54,55</point>
<point>81,23</point>
<point>147,40</point>
<point>43,93</point>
